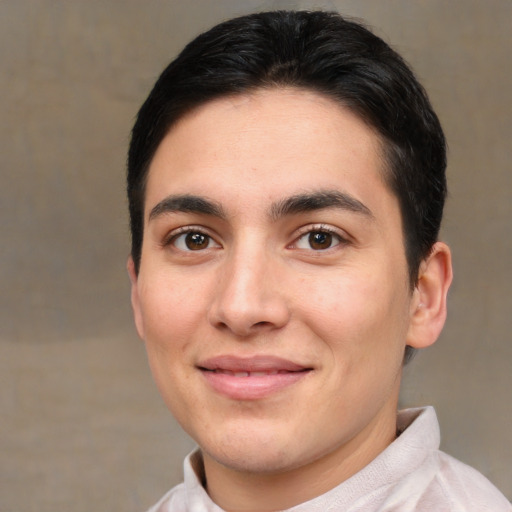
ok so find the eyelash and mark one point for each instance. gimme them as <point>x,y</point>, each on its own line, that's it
<point>303,232</point>
<point>187,230</point>
<point>322,229</point>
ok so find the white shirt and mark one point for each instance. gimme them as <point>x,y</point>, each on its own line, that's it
<point>411,474</point>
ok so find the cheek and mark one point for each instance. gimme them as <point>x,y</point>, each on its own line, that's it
<point>359,315</point>
<point>172,320</point>
<point>362,332</point>
<point>172,314</point>
<point>170,309</point>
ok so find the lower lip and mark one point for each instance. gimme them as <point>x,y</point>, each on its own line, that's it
<point>251,388</point>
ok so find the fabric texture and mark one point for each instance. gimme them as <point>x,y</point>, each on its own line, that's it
<point>412,474</point>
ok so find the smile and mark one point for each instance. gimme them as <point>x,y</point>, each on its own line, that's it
<point>252,373</point>
<point>251,378</point>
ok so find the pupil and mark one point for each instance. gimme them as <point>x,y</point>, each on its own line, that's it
<point>320,240</point>
<point>195,241</point>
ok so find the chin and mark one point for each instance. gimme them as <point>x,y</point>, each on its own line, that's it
<point>245,446</point>
<point>255,449</point>
<point>255,459</point>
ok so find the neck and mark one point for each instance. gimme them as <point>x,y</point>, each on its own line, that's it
<point>238,491</point>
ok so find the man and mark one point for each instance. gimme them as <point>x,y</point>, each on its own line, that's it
<point>286,181</point>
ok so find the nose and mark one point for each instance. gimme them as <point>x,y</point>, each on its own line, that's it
<point>250,298</point>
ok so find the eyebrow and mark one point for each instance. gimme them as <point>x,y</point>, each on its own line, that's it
<point>300,203</point>
<point>320,200</point>
<point>188,204</point>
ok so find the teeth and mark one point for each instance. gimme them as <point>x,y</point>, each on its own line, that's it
<point>251,374</point>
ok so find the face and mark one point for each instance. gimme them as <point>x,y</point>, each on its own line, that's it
<point>273,293</point>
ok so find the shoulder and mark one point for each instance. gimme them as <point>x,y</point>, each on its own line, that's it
<point>189,496</point>
<point>463,487</point>
<point>172,501</point>
<point>428,479</point>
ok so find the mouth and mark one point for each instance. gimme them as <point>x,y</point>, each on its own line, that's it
<point>251,378</point>
<point>249,373</point>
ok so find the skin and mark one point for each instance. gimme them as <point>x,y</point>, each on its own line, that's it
<point>325,287</point>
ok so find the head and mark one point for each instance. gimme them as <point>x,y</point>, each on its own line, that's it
<point>286,185</point>
<point>320,52</point>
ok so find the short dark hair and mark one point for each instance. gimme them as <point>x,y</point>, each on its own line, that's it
<point>325,53</point>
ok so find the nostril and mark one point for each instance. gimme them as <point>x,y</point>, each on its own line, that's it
<point>261,324</point>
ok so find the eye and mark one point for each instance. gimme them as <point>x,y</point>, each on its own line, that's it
<point>193,241</point>
<point>318,240</point>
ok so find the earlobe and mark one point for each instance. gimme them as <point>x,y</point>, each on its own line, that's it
<point>136,308</point>
<point>428,307</point>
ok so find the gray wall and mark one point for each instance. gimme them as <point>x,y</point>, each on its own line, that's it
<point>82,426</point>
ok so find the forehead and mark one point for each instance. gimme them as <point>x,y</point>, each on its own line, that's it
<point>277,141</point>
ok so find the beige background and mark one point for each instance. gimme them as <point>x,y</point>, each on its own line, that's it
<point>82,426</point>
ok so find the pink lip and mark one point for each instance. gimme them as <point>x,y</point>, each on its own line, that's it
<point>251,378</point>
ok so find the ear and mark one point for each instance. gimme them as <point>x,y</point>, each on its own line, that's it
<point>136,308</point>
<point>428,306</point>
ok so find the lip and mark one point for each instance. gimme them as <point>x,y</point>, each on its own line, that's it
<point>251,378</point>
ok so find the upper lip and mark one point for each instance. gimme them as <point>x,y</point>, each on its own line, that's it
<point>258,363</point>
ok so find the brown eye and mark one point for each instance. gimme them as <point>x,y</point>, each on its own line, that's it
<point>196,241</point>
<point>319,240</point>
